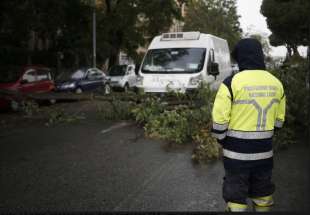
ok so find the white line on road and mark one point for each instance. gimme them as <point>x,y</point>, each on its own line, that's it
<point>117,126</point>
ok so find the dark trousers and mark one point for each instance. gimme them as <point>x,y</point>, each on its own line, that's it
<point>252,183</point>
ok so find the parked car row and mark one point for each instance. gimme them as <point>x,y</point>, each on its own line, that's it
<point>38,79</point>
<point>174,61</point>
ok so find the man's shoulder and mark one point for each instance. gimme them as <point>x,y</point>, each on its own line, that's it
<point>227,81</point>
<point>275,79</point>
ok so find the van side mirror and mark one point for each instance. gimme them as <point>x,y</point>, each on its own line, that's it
<point>214,69</point>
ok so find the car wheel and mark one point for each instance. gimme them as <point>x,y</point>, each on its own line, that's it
<point>15,106</point>
<point>78,90</point>
<point>107,89</point>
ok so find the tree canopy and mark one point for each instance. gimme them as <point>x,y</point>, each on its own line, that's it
<point>289,22</point>
<point>52,32</point>
<point>126,25</point>
<point>36,31</point>
<point>217,17</point>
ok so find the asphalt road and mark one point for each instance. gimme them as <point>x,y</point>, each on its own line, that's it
<point>102,166</point>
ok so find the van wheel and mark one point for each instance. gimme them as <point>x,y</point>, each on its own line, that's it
<point>126,88</point>
<point>78,90</point>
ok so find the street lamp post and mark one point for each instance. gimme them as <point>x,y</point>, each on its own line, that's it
<point>94,35</point>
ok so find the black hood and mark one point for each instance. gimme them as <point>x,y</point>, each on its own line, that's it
<point>249,55</point>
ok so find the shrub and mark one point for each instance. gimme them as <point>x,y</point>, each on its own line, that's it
<point>116,110</point>
<point>207,146</point>
<point>29,108</point>
<point>169,125</point>
<point>57,115</point>
<point>147,109</point>
<point>293,75</point>
<point>186,122</point>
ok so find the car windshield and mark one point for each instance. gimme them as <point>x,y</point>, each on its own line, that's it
<point>119,70</point>
<point>76,75</point>
<point>174,60</point>
<point>10,74</point>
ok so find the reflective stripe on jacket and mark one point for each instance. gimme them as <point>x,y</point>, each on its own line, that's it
<point>247,108</point>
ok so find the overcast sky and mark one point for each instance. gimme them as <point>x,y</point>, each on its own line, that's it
<point>253,21</point>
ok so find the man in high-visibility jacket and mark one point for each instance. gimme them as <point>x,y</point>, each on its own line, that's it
<point>248,107</point>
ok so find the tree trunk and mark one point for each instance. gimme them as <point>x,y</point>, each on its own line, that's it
<point>29,58</point>
<point>113,59</point>
<point>59,64</point>
<point>31,46</point>
<point>295,51</point>
<point>289,51</point>
<point>76,60</point>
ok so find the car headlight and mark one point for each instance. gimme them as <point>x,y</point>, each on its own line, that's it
<point>70,85</point>
<point>195,80</point>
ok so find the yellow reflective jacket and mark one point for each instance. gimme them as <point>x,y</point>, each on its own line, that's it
<point>247,108</point>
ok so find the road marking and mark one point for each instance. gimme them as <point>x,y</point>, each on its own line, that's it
<point>117,126</point>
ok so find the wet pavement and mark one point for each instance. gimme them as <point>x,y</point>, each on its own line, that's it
<point>110,166</point>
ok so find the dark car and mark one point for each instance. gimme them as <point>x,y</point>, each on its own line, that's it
<point>83,79</point>
<point>26,79</point>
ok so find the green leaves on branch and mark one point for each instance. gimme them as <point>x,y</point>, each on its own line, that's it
<point>172,126</point>
<point>150,108</point>
<point>116,110</point>
<point>217,17</point>
<point>293,75</point>
<point>180,123</point>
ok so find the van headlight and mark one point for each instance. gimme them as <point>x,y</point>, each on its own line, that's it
<point>139,80</point>
<point>195,80</point>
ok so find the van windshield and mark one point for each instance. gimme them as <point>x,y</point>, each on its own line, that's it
<point>174,60</point>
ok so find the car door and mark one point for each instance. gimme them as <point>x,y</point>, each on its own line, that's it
<point>93,79</point>
<point>97,77</point>
<point>28,83</point>
<point>44,80</point>
<point>86,82</point>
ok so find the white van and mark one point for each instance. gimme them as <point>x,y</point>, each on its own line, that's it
<point>181,61</point>
<point>122,77</point>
